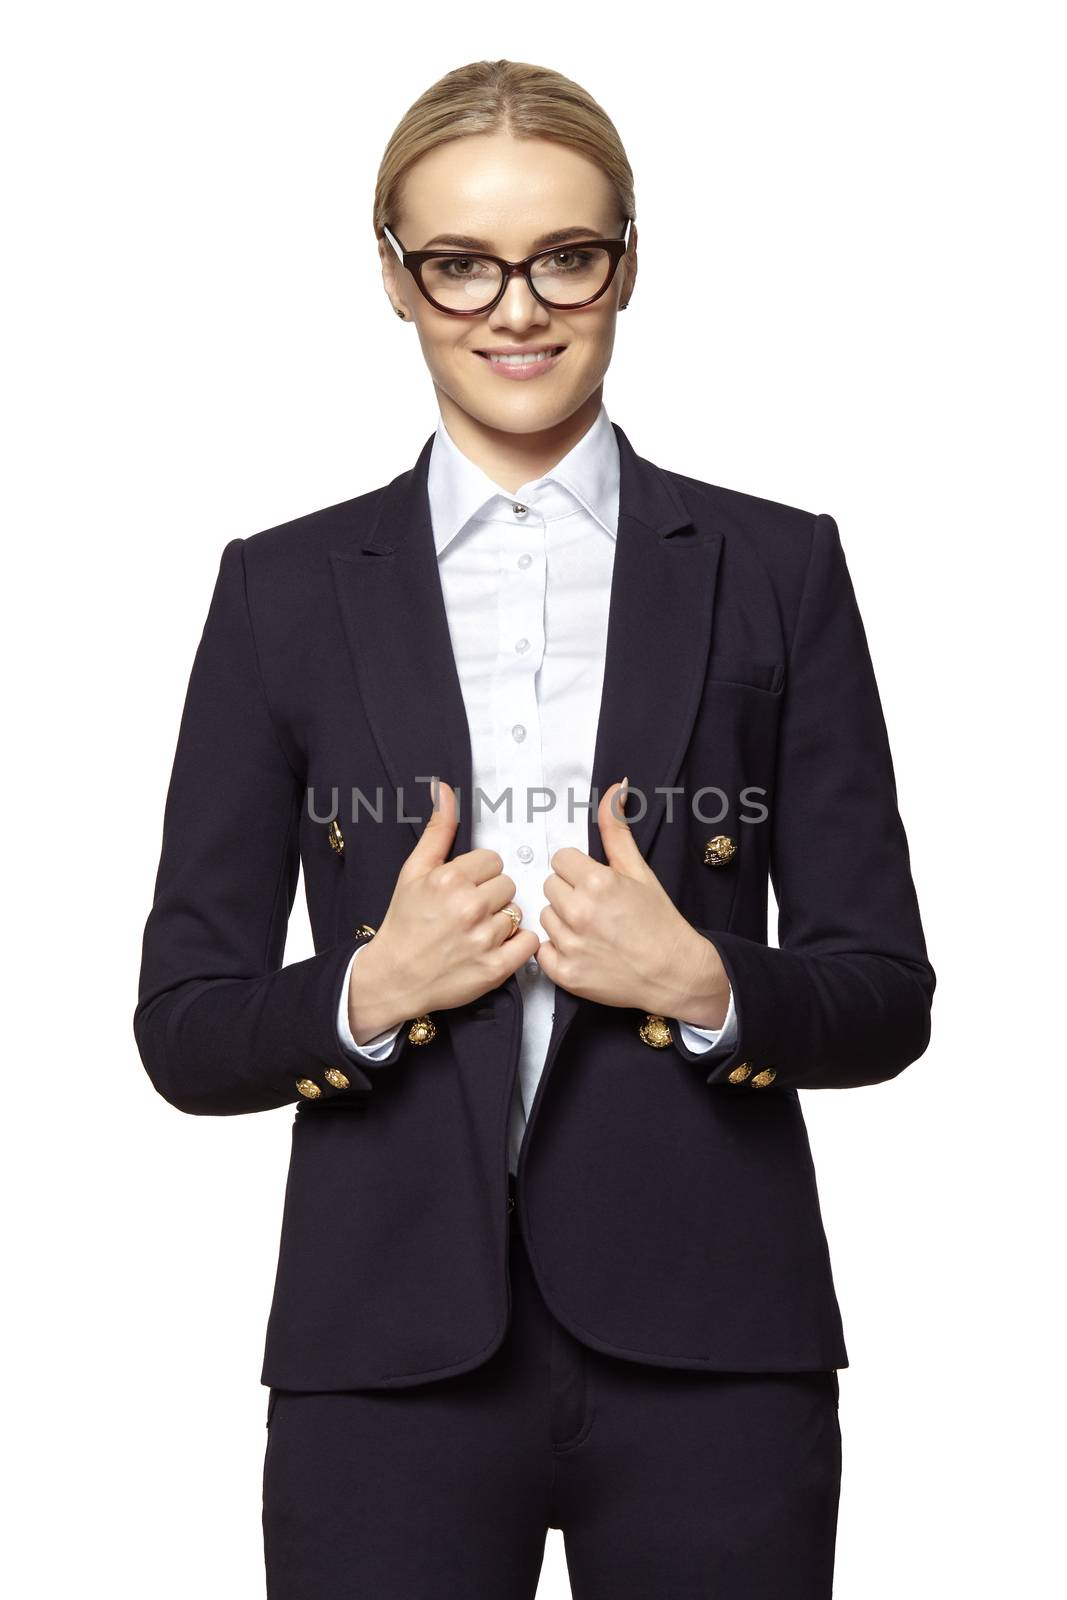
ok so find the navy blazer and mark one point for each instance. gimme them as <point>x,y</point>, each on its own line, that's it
<point>670,1212</point>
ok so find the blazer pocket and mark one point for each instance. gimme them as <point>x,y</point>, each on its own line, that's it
<point>746,672</point>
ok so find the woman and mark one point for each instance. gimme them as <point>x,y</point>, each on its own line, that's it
<point>552,1253</point>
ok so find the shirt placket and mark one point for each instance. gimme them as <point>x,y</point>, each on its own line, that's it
<point>523,833</point>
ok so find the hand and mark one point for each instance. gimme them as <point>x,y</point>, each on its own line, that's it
<point>615,935</point>
<point>444,940</point>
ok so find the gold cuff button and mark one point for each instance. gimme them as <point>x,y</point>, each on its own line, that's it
<point>336,838</point>
<point>719,851</point>
<point>335,1076</point>
<point>655,1031</point>
<point>422,1030</point>
<point>308,1087</point>
<point>762,1079</point>
<point>740,1072</point>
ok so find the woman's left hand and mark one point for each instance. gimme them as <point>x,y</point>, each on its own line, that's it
<point>616,937</point>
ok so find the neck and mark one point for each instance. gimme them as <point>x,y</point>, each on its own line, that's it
<point>512,459</point>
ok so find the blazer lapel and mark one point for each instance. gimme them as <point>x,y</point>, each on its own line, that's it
<point>659,634</point>
<point>393,608</point>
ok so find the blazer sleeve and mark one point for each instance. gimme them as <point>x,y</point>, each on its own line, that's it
<point>845,999</point>
<point>221,1026</point>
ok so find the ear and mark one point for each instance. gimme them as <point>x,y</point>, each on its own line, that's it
<point>629,269</point>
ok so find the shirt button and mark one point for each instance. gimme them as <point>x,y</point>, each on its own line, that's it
<point>521,645</point>
<point>524,559</point>
<point>518,733</point>
<point>520,511</point>
<point>525,852</point>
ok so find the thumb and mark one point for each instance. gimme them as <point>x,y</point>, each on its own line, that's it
<point>435,840</point>
<point>619,848</point>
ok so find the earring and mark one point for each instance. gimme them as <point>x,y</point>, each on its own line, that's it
<point>401,314</point>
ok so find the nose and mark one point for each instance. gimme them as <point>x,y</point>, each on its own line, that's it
<point>518,308</point>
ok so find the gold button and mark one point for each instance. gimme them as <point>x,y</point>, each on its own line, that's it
<point>655,1031</point>
<point>309,1087</point>
<point>740,1072</point>
<point>335,1076</point>
<point>422,1030</point>
<point>762,1079</point>
<point>336,838</point>
<point>720,850</point>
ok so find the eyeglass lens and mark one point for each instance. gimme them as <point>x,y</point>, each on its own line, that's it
<point>566,277</point>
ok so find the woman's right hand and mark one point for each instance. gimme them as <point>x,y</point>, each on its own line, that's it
<point>444,939</point>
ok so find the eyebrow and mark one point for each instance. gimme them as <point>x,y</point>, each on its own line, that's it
<point>465,241</point>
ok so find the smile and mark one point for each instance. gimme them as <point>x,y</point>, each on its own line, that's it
<point>522,364</point>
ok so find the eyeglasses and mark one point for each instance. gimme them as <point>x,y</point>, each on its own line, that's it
<point>466,283</point>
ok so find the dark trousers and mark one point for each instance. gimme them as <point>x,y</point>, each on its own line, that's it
<point>667,1484</point>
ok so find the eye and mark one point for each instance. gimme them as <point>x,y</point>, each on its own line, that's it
<point>458,266</point>
<point>570,261</point>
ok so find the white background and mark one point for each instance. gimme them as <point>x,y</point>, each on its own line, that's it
<point>197,346</point>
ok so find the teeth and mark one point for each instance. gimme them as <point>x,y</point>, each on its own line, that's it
<point>524,359</point>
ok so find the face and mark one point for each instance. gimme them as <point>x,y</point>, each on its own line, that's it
<point>509,193</point>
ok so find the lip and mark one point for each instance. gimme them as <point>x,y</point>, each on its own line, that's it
<point>521,372</point>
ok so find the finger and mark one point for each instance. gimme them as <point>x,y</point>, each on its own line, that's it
<point>520,949</point>
<point>496,892</point>
<point>620,849</point>
<point>572,865</point>
<point>560,894</point>
<point>548,959</point>
<point>435,840</point>
<point>505,926</point>
<point>481,865</point>
<point>560,935</point>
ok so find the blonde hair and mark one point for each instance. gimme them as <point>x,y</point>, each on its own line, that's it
<point>513,97</point>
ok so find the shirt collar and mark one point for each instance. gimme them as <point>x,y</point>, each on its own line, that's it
<point>588,475</point>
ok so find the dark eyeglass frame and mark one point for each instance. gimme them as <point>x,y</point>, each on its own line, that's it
<point>415,260</point>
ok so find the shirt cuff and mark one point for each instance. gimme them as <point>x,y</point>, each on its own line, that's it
<point>374,1049</point>
<point>706,1039</point>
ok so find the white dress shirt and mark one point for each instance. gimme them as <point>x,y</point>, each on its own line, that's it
<point>526,579</point>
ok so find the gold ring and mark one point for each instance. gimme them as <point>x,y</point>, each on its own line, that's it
<point>515,914</point>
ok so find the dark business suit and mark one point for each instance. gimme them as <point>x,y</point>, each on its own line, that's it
<point>669,1215</point>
